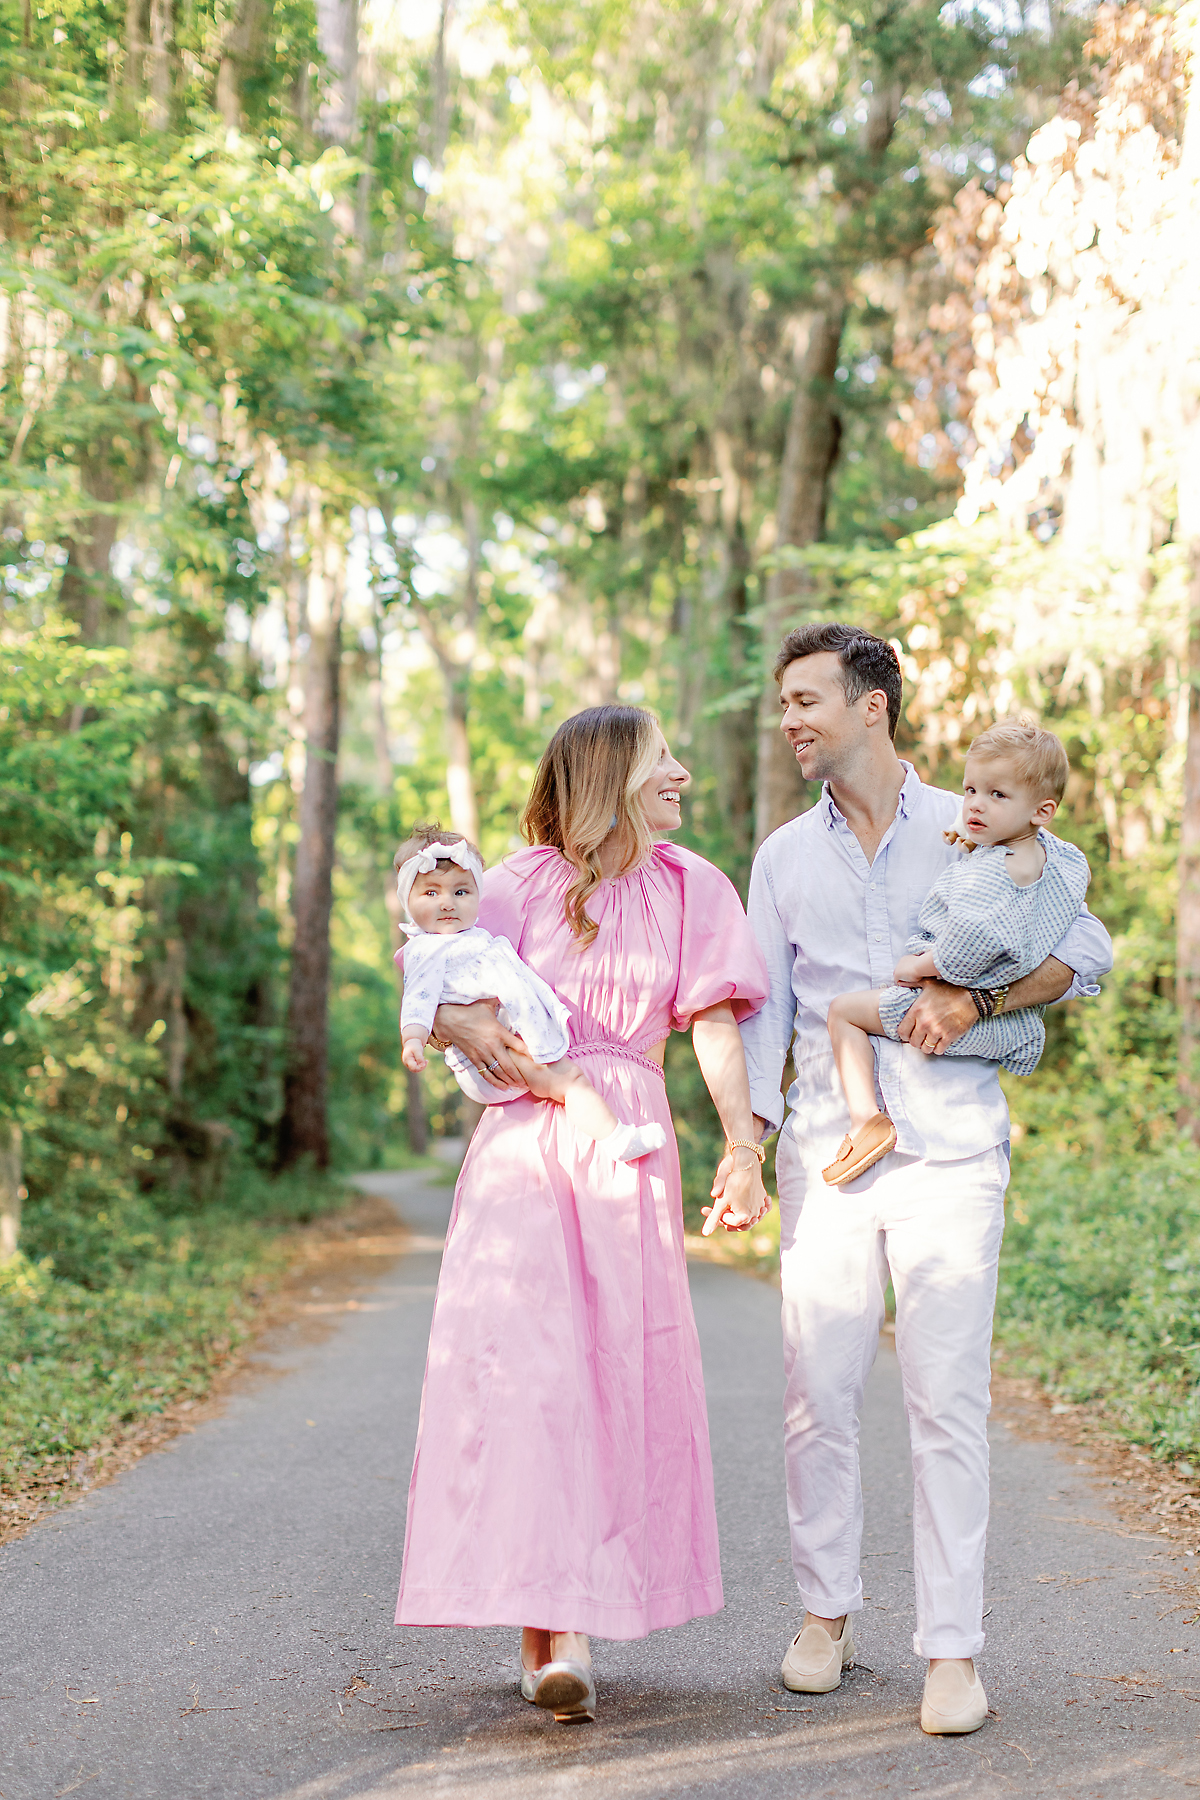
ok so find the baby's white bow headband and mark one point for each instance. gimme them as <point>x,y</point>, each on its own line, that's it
<point>424,863</point>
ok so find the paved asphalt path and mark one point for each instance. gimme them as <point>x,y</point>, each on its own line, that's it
<point>217,1622</point>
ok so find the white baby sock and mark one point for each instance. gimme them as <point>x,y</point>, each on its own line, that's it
<point>628,1142</point>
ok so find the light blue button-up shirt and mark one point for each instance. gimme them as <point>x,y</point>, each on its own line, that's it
<point>828,922</point>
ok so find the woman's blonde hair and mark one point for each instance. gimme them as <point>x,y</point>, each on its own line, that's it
<point>587,785</point>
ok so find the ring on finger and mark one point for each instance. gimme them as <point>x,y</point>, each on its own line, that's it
<point>495,1063</point>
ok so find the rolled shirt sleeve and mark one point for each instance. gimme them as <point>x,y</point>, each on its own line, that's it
<point>1088,952</point>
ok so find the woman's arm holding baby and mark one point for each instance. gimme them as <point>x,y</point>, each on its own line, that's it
<point>478,1033</point>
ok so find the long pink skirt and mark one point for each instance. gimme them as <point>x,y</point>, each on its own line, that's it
<point>563,1478</point>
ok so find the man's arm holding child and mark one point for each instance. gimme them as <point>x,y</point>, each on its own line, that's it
<point>943,1013</point>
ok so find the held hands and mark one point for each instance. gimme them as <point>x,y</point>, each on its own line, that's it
<point>939,1018</point>
<point>738,1189</point>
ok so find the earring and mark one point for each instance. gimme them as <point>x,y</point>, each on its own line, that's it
<point>612,823</point>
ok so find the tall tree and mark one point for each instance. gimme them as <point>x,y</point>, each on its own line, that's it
<point>810,448</point>
<point>1184,340</point>
<point>304,1128</point>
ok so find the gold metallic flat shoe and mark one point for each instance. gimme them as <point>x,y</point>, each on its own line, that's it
<point>529,1681</point>
<point>564,1688</point>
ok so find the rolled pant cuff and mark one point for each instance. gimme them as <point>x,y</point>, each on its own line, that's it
<point>823,1608</point>
<point>944,1645</point>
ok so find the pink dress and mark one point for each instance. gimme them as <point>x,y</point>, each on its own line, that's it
<point>562,1476</point>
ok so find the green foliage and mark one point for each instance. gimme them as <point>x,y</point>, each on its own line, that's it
<point>1100,1284</point>
<point>139,1313</point>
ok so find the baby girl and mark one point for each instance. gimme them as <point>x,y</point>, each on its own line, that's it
<point>450,958</point>
<point>990,919</point>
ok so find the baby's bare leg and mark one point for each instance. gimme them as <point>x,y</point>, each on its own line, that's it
<point>587,1112</point>
<point>853,1020</point>
<point>591,1116</point>
<point>563,1083</point>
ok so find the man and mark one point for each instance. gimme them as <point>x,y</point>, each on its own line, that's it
<point>833,896</point>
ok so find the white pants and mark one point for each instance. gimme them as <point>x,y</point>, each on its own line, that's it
<point>937,1228</point>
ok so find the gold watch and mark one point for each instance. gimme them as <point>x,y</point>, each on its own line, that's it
<point>745,1144</point>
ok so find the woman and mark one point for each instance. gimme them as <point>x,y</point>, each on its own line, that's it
<point>562,1479</point>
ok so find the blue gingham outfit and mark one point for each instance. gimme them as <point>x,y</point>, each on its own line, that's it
<point>460,966</point>
<point>984,932</point>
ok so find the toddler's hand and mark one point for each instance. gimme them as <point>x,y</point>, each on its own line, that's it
<point>413,1057</point>
<point>906,972</point>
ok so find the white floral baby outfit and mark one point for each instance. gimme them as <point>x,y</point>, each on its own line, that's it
<point>460,966</point>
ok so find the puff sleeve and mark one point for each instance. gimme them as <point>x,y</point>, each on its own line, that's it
<point>718,956</point>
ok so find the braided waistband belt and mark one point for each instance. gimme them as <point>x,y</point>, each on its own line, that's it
<point>608,1047</point>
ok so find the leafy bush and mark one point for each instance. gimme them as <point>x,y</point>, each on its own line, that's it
<point>133,1311</point>
<point>1100,1285</point>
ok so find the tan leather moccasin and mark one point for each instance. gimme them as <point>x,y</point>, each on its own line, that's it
<point>954,1701</point>
<point>814,1662</point>
<point>862,1151</point>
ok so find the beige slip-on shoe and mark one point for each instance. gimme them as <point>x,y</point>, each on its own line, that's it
<point>954,1702</point>
<point>862,1151</point>
<point>814,1662</point>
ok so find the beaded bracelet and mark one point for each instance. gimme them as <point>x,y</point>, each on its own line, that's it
<point>989,1001</point>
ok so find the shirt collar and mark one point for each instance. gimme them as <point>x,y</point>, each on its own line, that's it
<point>908,795</point>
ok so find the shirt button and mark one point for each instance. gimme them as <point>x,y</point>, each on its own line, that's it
<point>879,937</point>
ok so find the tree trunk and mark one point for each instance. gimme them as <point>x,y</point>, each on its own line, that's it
<point>337,40</point>
<point>384,772</point>
<point>161,34</point>
<point>87,582</point>
<point>809,452</point>
<point>11,1191</point>
<point>735,731</point>
<point>456,680</point>
<point>241,55</point>
<point>440,122</point>
<point>414,1112</point>
<point>1187,950</point>
<point>133,71</point>
<point>460,784</point>
<point>1187,956</point>
<point>414,1092</point>
<point>304,1128</point>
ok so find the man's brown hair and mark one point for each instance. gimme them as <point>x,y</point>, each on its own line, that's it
<point>868,663</point>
